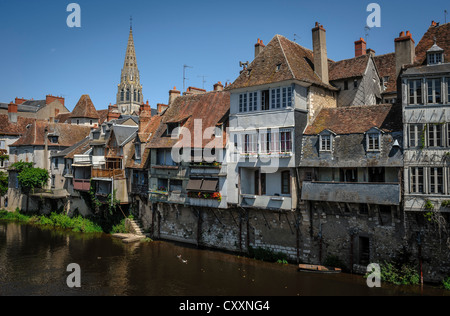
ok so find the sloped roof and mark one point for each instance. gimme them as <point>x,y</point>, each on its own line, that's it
<point>386,67</point>
<point>358,119</point>
<point>14,129</point>
<point>103,116</point>
<point>209,107</point>
<point>63,117</point>
<point>68,135</point>
<point>348,68</point>
<point>124,133</point>
<point>442,35</point>
<point>296,62</point>
<point>85,108</point>
<point>77,149</point>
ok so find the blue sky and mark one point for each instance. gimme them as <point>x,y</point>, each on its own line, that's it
<point>40,55</point>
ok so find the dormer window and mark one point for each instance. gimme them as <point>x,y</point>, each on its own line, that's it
<point>326,141</point>
<point>435,55</point>
<point>373,140</point>
<point>172,128</point>
<point>53,139</point>
<point>137,151</point>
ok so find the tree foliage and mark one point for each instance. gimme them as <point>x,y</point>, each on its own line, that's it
<point>32,178</point>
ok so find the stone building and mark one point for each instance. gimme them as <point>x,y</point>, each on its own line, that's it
<point>351,180</point>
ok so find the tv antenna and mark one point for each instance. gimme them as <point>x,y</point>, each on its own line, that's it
<point>203,81</point>
<point>445,16</point>
<point>367,30</point>
<point>184,76</point>
<point>295,37</point>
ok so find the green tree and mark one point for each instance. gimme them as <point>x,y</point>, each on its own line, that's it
<point>32,178</point>
<point>3,183</point>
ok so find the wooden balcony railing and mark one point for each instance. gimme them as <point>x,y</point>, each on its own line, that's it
<point>108,173</point>
<point>81,185</point>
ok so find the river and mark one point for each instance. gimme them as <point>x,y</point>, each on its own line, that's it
<point>33,262</point>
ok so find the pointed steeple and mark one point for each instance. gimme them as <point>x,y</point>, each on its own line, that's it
<point>129,95</point>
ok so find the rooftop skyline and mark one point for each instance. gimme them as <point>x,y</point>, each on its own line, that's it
<point>41,55</point>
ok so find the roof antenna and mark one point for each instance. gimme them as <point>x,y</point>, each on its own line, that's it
<point>203,80</point>
<point>445,15</point>
<point>184,76</point>
<point>295,37</point>
<point>367,30</point>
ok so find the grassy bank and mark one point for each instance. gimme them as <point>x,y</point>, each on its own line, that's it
<point>62,221</point>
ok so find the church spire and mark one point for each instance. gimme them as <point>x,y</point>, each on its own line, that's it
<point>129,95</point>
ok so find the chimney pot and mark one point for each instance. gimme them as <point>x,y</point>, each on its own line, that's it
<point>360,47</point>
<point>320,53</point>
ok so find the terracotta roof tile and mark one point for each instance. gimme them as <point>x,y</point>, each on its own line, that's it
<point>14,129</point>
<point>348,68</point>
<point>68,134</point>
<point>357,120</point>
<point>280,60</point>
<point>442,35</point>
<point>85,108</point>
<point>209,107</point>
<point>386,67</point>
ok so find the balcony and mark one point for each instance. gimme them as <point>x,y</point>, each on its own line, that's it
<point>167,197</point>
<point>81,185</point>
<point>108,173</point>
<point>139,188</point>
<point>367,193</point>
<point>267,202</point>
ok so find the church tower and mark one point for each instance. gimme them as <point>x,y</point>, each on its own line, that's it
<point>129,95</point>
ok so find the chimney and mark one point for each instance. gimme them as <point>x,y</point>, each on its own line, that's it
<point>145,107</point>
<point>12,112</point>
<point>161,107</point>
<point>320,52</point>
<point>360,47</point>
<point>173,94</point>
<point>218,86</point>
<point>405,51</point>
<point>49,99</point>
<point>259,47</point>
<point>370,51</point>
<point>19,101</point>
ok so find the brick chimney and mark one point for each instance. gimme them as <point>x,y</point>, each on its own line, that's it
<point>161,107</point>
<point>145,107</point>
<point>370,51</point>
<point>259,47</point>
<point>19,101</point>
<point>12,112</point>
<point>405,51</point>
<point>173,94</point>
<point>50,98</point>
<point>360,47</point>
<point>218,86</point>
<point>320,52</point>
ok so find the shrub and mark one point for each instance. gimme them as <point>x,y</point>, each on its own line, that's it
<point>446,283</point>
<point>403,275</point>
<point>267,255</point>
<point>334,262</point>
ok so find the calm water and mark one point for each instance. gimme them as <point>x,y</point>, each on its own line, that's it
<point>34,261</point>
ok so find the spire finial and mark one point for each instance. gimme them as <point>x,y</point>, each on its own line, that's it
<point>131,22</point>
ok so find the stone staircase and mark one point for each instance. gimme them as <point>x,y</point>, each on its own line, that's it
<point>135,232</point>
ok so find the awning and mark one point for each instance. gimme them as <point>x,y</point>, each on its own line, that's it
<point>209,186</point>
<point>194,185</point>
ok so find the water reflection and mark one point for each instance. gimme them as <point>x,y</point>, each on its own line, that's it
<point>33,262</point>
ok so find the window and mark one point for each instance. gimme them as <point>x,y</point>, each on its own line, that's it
<point>345,85</point>
<point>128,95</point>
<point>278,67</point>
<point>287,97</point>
<point>434,58</point>
<point>172,129</point>
<point>349,175</point>
<point>249,143</point>
<point>286,182</point>
<point>276,98</point>
<point>137,151</point>
<point>448,90</point>
<point>373,141</point>
<point>266,142</point>
<point>376,175</point>
<point>416,135</point>
<point>90,122</point>
<point>260,183</point>
<point>78,122</point>
<point>355,84</point>
<point>164,158</point>
<point>265,100</point>
<point>285,141</point>
<point>56,163</point>
<point>415,91</point>
<point>134,96</point>
<point>122,94</point>
<point>434,91</point>
<point>2,144</point>
<point>253,101</point>
<point>434,135</point>
<point>416,180</point>
<point>243,102</point>
<point>436,181</point>
<point>364,251</point>
<point>325,143</point>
